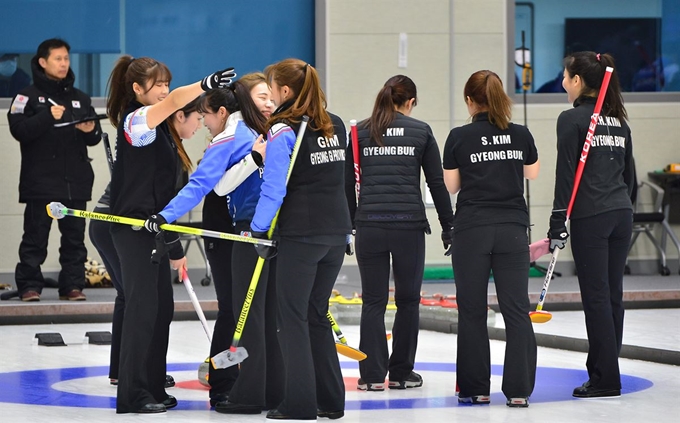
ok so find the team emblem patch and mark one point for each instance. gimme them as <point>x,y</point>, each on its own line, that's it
<point>75,104</point>
<point>18,105</point>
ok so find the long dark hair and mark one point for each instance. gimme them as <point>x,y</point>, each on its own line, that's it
<point>591,66</point>
<point>181,151</point>
<point>126,72</point>
<point>485,89</point>
<point>396,92</point>
<point>233,99</point>
<point>310,99</point>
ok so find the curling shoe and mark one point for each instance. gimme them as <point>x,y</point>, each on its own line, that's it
<point>589,391</point>
<point>170,402</point>
<point>152,408</point>
<point>371,387</point>
<point>333,415</point>
<point>475,399</point>
<point>413,380</point>
<point>517,402</point>
<point>226,407</point>
<point>275,414</point>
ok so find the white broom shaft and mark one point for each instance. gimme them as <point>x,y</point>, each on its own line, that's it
<point>196,304</point>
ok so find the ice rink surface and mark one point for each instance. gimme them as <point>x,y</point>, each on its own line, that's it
<point>70,384</point>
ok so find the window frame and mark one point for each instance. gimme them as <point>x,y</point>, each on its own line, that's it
<point>551,98</point>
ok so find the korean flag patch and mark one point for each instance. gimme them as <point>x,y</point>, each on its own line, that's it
<point>75,104</point>
<point>18,105</point>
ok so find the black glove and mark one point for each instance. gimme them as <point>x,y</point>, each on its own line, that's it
<point>159,248</point>
<point>257,158</point>
<point>154,222</point>
<point>265,251</point>
<point>219,79</point>
<point>447,239</point>
<point>558,238</point>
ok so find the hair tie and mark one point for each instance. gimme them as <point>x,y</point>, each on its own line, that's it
<point>598,56</point>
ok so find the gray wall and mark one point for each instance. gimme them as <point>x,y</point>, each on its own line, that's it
<point>357,51</point>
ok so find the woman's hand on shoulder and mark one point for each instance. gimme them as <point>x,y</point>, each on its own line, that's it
<point>260,147</point>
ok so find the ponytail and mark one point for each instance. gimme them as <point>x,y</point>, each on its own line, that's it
<point>384,112</point>
<point>485,89</point>
<point>613,100</point>
<point>396,92</point>
<point>119,93</point>
<point>591,67</point>
<point>310,99</point>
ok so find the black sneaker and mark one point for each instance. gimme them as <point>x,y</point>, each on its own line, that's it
<point>589,391</point>
<point>368,386</point>
<point>414,380</point>
<point>332,415</point>
<point>517,402</point>
<point>475,399</point>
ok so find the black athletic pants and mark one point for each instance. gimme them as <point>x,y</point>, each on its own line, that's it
<point>33,248</point>
<point>219,253</point>
<point>146,326</point>
<point>255,379</point>
<point>503,249</point>
<point>305,275</point>
<point>406,248</point>
<point>100,235</point>
<point>599,245</point>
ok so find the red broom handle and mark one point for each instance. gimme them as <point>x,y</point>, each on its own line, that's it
<point>355,153</point>
<point>577,179</point>
<point>589,137</point>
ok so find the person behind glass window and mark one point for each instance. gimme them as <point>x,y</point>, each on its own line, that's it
<point>12,78</point>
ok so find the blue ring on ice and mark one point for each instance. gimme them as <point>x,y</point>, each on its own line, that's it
<point>34,387</point>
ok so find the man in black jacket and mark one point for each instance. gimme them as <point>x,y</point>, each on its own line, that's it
<point>54,167</point>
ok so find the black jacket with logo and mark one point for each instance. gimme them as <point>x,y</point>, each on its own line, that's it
<point>608,174</point>
<point>54,160</point>
<point>491,164</point>
<point>314,205</point>
<point>390,189</point>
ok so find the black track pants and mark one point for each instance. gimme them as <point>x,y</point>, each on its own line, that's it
<point>406,249</point>
<point>305,275</point>
<point>219,253</point>
<point>100,235</point>
<point>146,327</point>
<point>251,385</point>
<point>599,245</point>
<point>33,249</point>
<point>503,249</point>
